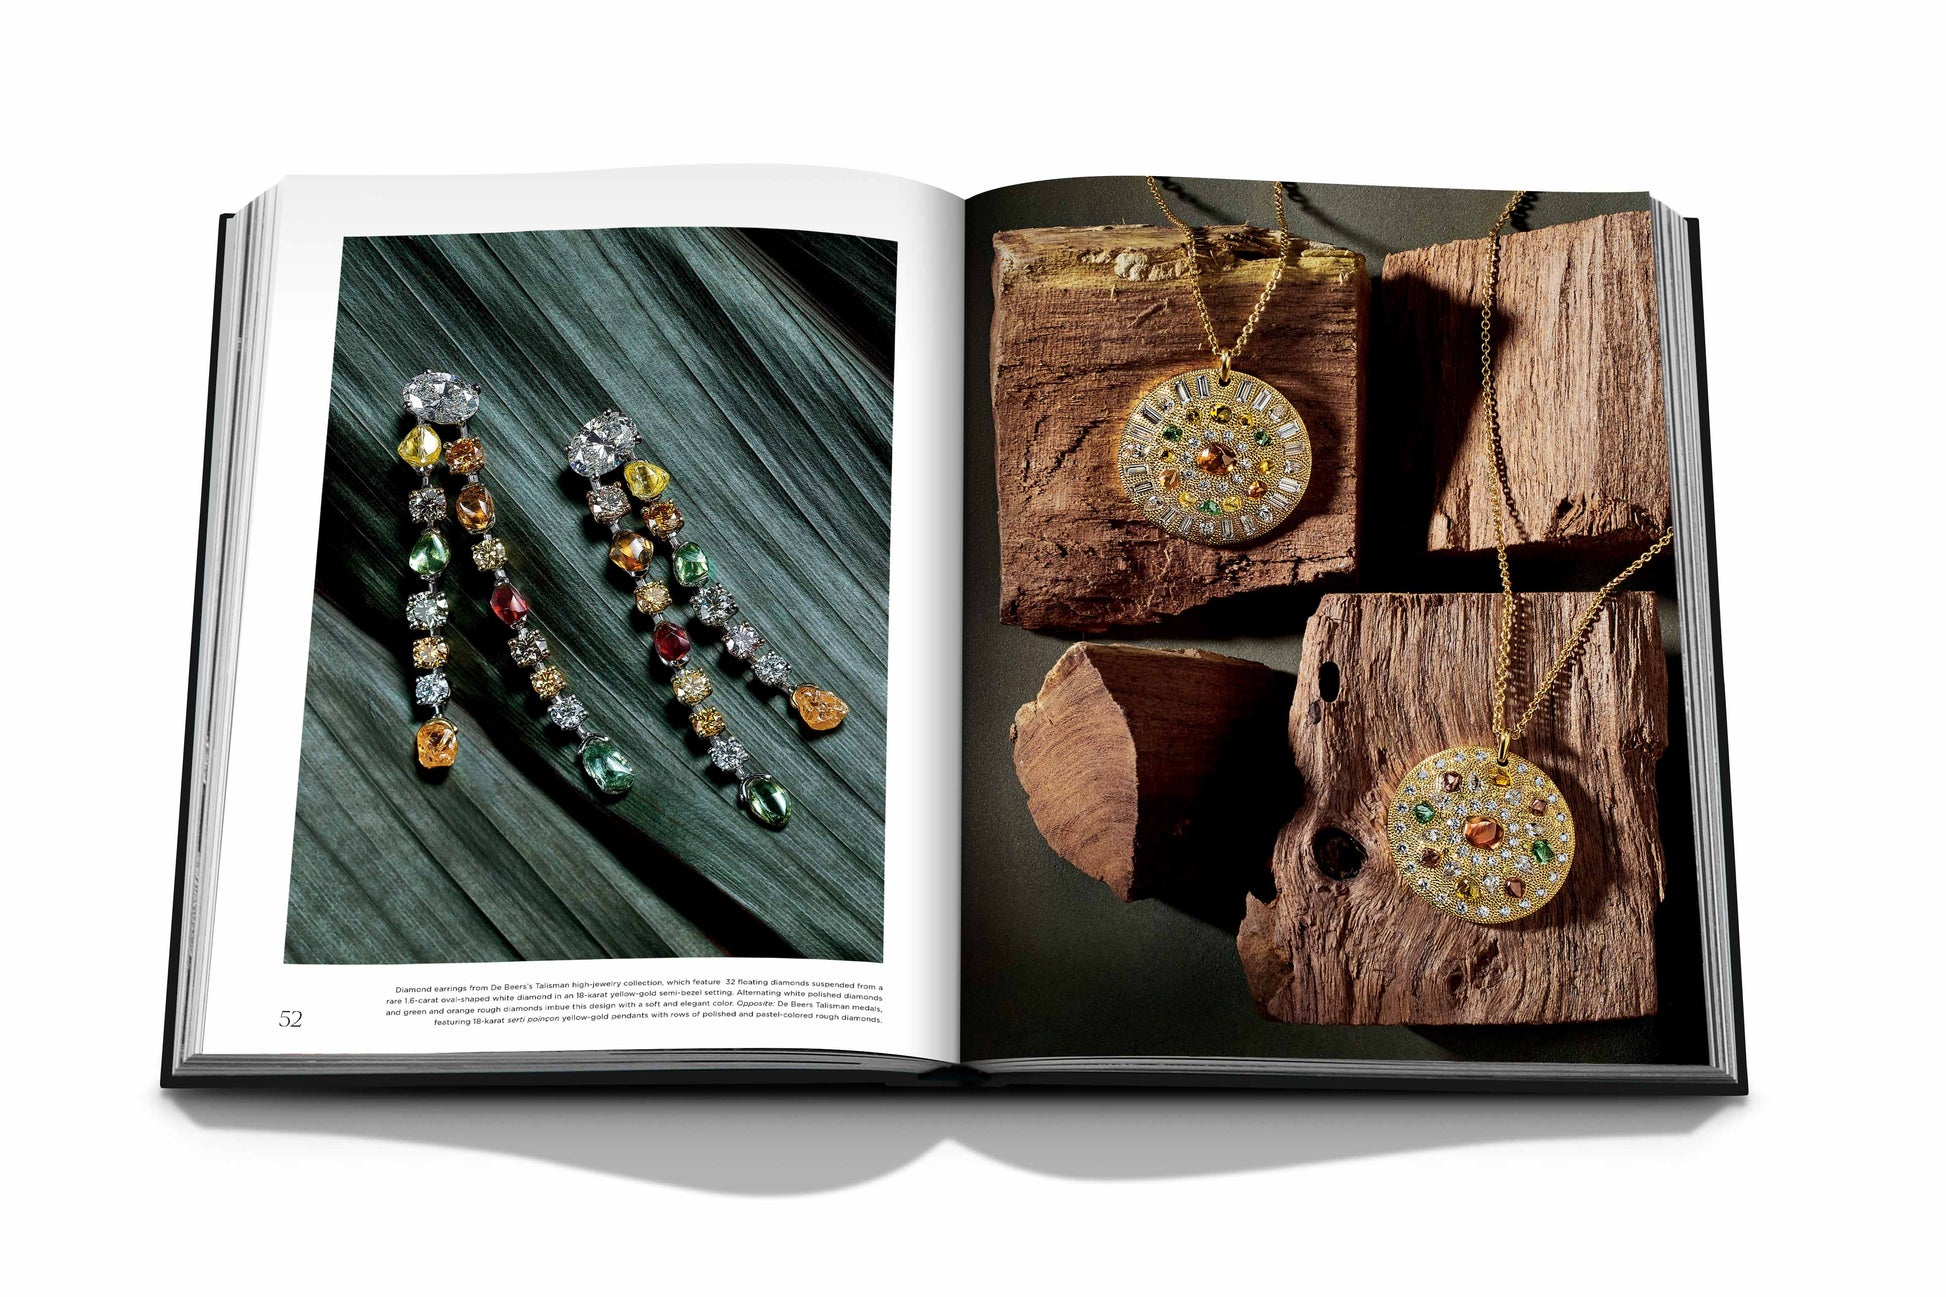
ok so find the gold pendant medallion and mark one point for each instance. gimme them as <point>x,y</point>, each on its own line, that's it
<point>1487,842</point>
<point>1216,462</point>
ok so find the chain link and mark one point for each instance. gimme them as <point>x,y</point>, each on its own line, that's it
<point>1226,356</point>
<point>1502,501</point>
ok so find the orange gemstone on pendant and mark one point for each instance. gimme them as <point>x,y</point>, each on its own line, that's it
<point>630,551</point>
<point>1483,832</point>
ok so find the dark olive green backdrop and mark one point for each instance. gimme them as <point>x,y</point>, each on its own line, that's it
<point>1053,963</point>
<point>759,366</point>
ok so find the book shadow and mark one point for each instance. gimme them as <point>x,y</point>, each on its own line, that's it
<point>764,1141</point>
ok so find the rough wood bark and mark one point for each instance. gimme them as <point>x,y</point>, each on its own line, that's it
<point>1161,772</point>
<point>1413,675</point>
<point>1085,320</point>
<point>1579,375</point>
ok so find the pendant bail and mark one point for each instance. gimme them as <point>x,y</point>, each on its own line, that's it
<point>1506,741</point>
<point>1223,368</point>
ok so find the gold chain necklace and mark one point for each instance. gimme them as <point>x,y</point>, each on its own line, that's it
<point>1479,832</point>
<point>1212,454</point>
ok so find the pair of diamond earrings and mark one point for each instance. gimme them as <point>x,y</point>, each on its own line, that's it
<point>608,442</point>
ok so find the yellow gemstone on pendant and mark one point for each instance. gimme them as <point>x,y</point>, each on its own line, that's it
<point>1466,889</point>
<point>707,722</point>
<point>1265,467</point>
<point>1231,503</point>
<point>420,447</point>
<point>1501,779</point>
<point>690,685</point>
<point>645,480</point>
<point>548,680</point>
<point>1187,499</point>
<point>1257,491</point>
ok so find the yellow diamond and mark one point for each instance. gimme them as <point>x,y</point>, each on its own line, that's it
<point>1187,499</point>
<point>1467,889</point>
<point>691,686</point>
<point>420,447</point>
<point>645,480</point>
<point>1265,466</point>
<point>651,596</point>
<point>707,722</point>
<point>1231,503</point>
<point>548,681</point>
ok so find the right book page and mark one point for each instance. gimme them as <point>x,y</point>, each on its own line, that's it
<point>1232,636</point>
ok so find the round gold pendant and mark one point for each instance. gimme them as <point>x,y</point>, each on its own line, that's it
<point>1214,462</point>
<point>1486,842</point>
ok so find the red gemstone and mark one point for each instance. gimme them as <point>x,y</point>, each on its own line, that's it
<point>671,643</point>
<point>508,606</point>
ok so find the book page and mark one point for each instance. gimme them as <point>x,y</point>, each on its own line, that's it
<point>619,713</point>
<point>1176,857</point>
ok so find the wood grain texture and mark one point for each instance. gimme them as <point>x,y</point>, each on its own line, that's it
<point>1414,676</point>
<point>1086,320</point>
<point>1160,772</point>
<point>1579,375</point>
<point>758,364</point>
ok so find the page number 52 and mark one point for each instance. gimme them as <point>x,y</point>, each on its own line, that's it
<point>290,1018</point>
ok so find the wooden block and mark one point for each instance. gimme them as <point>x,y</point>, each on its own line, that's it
<point>1161,772</point>
<point>1414,675</point>
<point>1085,320</point>
<point>1579,376</point>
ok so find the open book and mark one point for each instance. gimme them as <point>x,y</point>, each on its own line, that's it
<point>668,624</point>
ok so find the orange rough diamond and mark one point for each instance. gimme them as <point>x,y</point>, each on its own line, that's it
<point>820,708</point>
<point>438,743</point>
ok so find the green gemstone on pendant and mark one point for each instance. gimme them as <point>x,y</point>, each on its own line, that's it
<point>1423,812</point>
<point>1210,507</point>
<point>606,767</point>
<point>1172,433</point>
<point>1543,852</point>
<point>1263,437</point>
<point>430,555</point>
<point>690,564</point>
<point>769,804</point>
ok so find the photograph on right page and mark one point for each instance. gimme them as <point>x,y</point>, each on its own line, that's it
<point>1325,662</point>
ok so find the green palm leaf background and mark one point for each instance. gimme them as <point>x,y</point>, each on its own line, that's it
<point>758,364</point>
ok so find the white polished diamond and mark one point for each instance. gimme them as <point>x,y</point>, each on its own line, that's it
<point>426,610</point>
<point>431,689</point>
<point>603,442</point>
<point>567,711</point>
<point>726,752</point>
<point>772,669</point>
<point>742,641</point>
<point>712,605</point>
<point>436,397</point>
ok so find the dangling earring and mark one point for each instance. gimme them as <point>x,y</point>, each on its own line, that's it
<point>607,442</point>
<point>444,399</point>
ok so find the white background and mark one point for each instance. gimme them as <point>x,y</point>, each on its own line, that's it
<point>1805,139</point>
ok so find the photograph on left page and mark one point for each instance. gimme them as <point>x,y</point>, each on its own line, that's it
<point>598,661</point>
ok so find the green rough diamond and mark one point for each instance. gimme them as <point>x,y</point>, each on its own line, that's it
<point>691,565</point>
<point>1212,508</point>
<point>1543,852</point>
<point>768,802</point>
<point>1172,433</point>
<point>607,768</point>
<point>430,555</point>
<point>1263,437</point>
<point>1423,812</point>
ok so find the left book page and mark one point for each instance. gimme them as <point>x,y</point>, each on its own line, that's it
<point>525,743</point>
